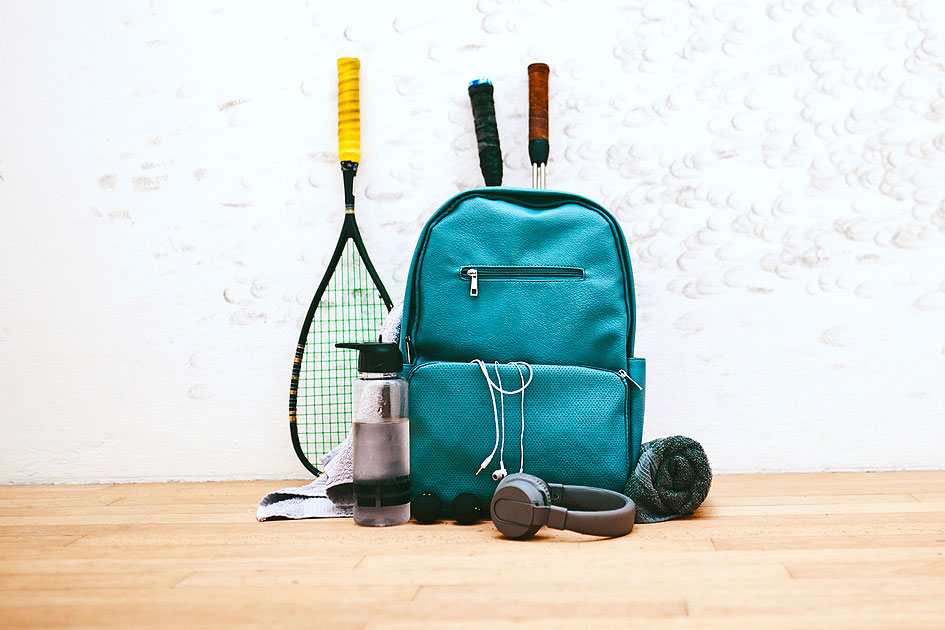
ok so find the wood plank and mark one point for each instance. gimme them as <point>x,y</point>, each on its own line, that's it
<point>880,507</point>
<point>930,497</point>
<point>819,499</point>
<point>810,484</point>
<point>848,541</point>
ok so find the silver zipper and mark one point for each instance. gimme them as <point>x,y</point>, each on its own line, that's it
<point>473,282</point>
<point>627,376</point>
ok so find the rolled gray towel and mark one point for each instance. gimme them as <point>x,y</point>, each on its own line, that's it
<point>671,480</point>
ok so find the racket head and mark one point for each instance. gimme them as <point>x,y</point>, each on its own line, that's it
<point>349,306</point>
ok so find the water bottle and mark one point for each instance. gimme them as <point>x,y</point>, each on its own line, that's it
<point>381,437</point>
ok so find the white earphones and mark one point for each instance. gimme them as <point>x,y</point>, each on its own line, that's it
<point>501,472</point>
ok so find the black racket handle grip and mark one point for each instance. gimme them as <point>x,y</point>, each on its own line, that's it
<point>487,132</point>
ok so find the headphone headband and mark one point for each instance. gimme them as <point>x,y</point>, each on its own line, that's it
<point>594,511</point>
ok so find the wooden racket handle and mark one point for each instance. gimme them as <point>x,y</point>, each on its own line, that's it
<point>349,110</point>
<point>538,101</point>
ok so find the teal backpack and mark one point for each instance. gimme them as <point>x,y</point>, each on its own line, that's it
<point>533,291</point>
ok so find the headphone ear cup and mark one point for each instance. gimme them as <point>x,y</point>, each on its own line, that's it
<point>523,489</point>
<point>538,483</point>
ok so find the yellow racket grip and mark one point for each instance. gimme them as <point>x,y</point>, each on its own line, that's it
<point>349,110</point>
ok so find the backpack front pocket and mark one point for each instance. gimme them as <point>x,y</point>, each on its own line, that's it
<point>575,428</point>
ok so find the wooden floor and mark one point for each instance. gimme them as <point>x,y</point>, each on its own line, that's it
<point>840,550</point>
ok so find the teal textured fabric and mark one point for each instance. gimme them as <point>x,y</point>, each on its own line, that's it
<point>576,428</point>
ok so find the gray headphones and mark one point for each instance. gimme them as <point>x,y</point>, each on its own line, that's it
<point>523,503</point>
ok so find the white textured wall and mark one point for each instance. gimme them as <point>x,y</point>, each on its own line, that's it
<point>169,193</point>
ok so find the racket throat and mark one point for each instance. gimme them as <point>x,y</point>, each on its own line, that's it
<point>348,171</point>
<point>538,154</point>
<point>538,176</point>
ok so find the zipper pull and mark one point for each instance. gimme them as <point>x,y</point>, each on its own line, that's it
<point>473,282</point>
<point>627,376</point>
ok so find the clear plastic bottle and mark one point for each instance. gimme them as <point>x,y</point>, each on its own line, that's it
<point>381,437</point>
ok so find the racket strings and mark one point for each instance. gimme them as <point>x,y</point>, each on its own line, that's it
<point>350,310</point>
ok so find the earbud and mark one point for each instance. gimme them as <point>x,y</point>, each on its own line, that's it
<point>500,474</point>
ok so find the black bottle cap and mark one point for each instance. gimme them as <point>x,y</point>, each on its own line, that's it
<point>376,356</point>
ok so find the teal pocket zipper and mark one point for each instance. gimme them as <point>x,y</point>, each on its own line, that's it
<point>478,273</point>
